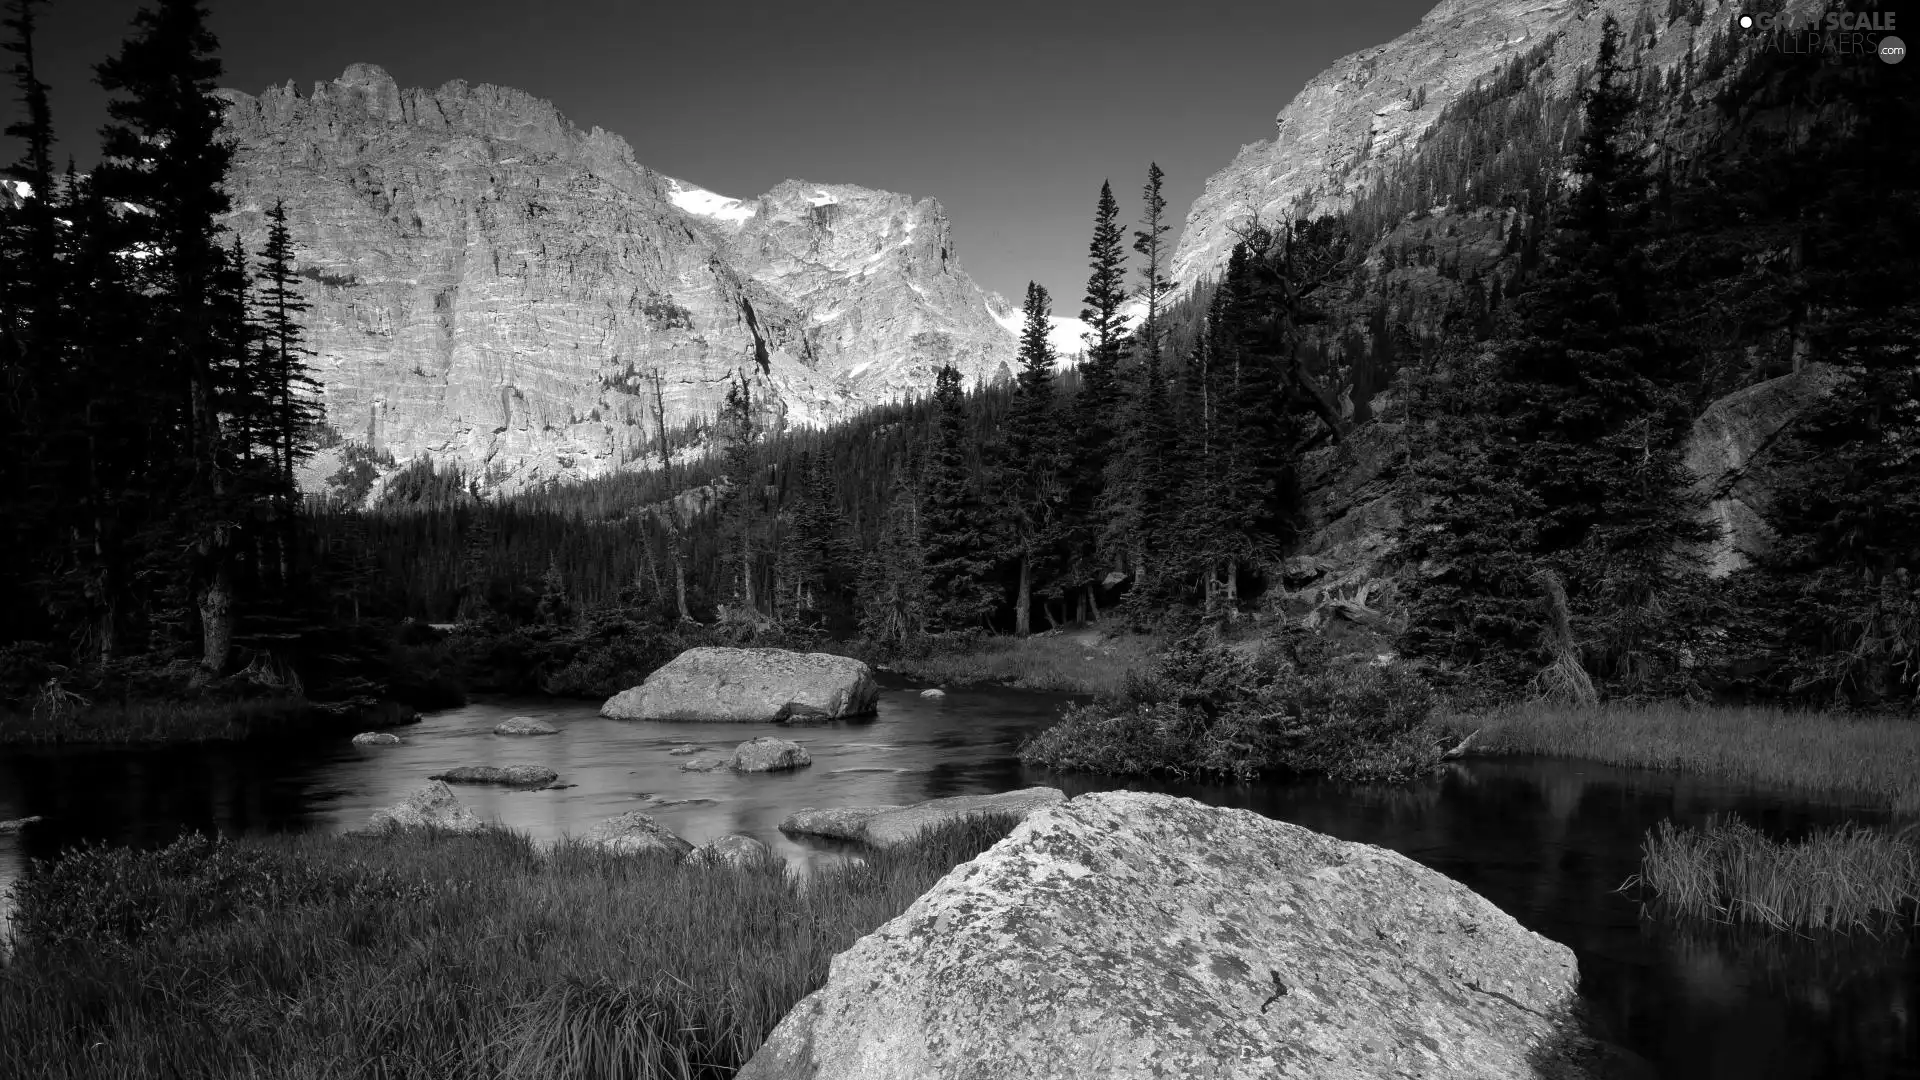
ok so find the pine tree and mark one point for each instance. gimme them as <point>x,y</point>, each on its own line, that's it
<point>823,551</point>
<point>1097,406</point>
<point>958,561</point>
<point>893,581</point>
<point>1032,457</point>
<point>740,502</point>
<point>1141,478</point>
<point>292,391</point>
<point>165,155</point>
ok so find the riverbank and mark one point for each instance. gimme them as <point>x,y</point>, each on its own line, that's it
<point>1875,759</point>
<point>1066,661</point>
<point>413,953</point>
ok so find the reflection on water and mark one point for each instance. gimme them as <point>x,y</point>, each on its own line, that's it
<point>1550,841</point>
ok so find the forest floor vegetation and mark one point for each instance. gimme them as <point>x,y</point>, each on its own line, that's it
<point>415,953</point>
<point>1083,661</point>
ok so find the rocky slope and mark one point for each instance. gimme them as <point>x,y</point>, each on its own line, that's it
<point>1364,116</point>
<point>492,286</point>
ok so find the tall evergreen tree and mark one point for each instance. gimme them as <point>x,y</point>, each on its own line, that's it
<point>1141,477</point>
<point>893,581</point>
<point>1032,457</point>
<point>1098,405</point>
<point>954,538</point>
<point>824,553</point>
<point>740,502</point>
<point>166,158</point>
<point>294,409</point>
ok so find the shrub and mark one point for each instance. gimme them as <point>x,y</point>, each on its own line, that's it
<point>1293,706</point>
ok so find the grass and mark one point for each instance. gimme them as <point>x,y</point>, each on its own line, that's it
<point>148,722</point>
<point>1079,662</point>
<point>417,954</point>
<point>1838,879</point>
<point>1870,758</point>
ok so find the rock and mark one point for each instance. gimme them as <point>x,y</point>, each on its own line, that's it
<point>748,685</point>
<point>703,765</point>
<point>767,754</point>
<point>1129,934</point>
<point>430,805</point>
<point>1732,454</point>
<point>524,725</point>
<point>845,823</point>
<point>936,692</point>
<point>900,826</point>
<point>688,749</point>
<point>733,851</point>
<point>512,775</point>
<point>490,285</point>
<point>634,831</point>
<point>17,824</point>
<point>376,738</point>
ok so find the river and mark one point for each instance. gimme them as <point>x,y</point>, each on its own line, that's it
<point>1549,840</point>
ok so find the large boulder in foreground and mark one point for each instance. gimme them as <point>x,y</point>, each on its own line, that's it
<point>749,686</point>
<point>896,827</point>
<point>1131,934</point>
<point>431,805</point>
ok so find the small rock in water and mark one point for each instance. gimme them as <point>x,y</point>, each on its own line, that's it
<point>841,823</point>
<point>734,852</point>
<point>768,754</point>
<point>514,775</point>
<point>633,832</point>
<point>936,692</point>
<point>430,804</point>
<point>524,725</point>
<point>17,824</point>
<point>376,738</point>
<point>687,748</point>
<point>704,764</point>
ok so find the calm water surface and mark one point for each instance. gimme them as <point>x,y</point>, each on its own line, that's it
<point>1548,840</point>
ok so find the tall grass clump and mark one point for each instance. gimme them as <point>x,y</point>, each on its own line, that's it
<point>1837,879</point>
<point>424,954</point>
<point>1292,705</point>
<point>1868,757</point>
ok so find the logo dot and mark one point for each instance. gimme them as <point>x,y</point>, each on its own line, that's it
<point>1892,49</point>
<point>1746,22</point>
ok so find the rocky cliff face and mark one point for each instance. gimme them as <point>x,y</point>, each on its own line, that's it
<point>1364,116</point>
<point>493,287</point>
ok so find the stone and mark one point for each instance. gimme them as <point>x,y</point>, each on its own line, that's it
<point>635,831</point>
<point>733,851</point>
<point>17,824</point>
<point>679,751</point>
<point>511,775</point>
<point>1132,935</point>
<point>524,725</point>
<point>748,686</point>
<point>376,738</point>
<point>896,827</point>
<point>430,805</point>
<point>935,692</point>
<point>768,754</point>
<point>844,823</point>
<point>703,765</point>
<point>1732,452</point>
<point>494,288</point>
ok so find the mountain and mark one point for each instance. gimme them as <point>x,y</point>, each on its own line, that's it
<point>493,287</point>
<point>1372,116</point>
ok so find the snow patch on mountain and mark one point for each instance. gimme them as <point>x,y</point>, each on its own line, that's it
<point>1065,334</point>
<point>697,200</point>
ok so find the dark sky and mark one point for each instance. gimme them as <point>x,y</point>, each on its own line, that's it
<point>1009,113</point>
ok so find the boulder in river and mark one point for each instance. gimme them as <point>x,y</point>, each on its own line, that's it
<point>1131,934</point>
<point>524,725</point>
<point>430,805</point>
<point>376,738</point>
<point>732,851</point>
<point>896,827</point>
<point>843,823</point>
<point>511,775</point>
<point>933,692</point>
<point>749,685</point>
<point>635,831</point>
<point>768,754</point>
<point>703,764</point>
